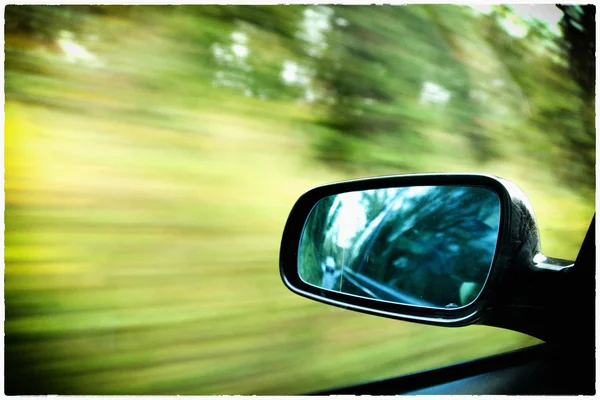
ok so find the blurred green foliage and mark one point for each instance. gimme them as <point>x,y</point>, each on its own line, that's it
<point>152,154</point>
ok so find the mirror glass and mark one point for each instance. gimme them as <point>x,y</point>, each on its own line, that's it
<point>429,246</point>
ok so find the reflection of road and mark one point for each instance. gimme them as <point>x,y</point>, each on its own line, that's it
<point>430,248</point>
<point>331,275</point>
<point>376,290</point>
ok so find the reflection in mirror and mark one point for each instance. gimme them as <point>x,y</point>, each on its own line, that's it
<point>429,246</point>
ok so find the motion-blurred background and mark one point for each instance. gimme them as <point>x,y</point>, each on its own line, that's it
<point>153,153</point>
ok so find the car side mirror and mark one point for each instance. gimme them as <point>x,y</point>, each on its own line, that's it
<point>440,249</point>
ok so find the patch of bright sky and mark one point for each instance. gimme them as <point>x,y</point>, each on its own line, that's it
<point>239,47</point>
<point>233,55</point>
<point>547,13</point>
<point>434,93</point>
<point>73,51</point>
<point>313,28</point>
<point>352,219</point>
<point>315,24</point>
<point>289,72</point>
<point>239,37</point>
<point>238,51</point>
<point>292,73</point>
<point>418,190</point>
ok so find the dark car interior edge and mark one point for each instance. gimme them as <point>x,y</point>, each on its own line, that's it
<point>550,299</point>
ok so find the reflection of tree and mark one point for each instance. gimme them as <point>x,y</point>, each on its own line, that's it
<point>375,201</point>
<point>433,243</point>
<point>313,240</point>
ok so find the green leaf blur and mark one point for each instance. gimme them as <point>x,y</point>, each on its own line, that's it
<point>153,153</point>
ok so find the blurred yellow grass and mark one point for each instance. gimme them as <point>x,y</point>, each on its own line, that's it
<point>143,260</point>
<point>143,225</point>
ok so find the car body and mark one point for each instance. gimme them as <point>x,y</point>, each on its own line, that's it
<point>524,291</point>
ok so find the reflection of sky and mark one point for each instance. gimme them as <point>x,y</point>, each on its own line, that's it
<point>417,190</point>
<point>352,219</point>
<point>547,13</point>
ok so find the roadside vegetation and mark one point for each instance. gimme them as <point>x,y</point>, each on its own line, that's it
<point>152,155</point>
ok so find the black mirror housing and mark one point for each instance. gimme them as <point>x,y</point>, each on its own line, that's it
<point>520,277</point>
